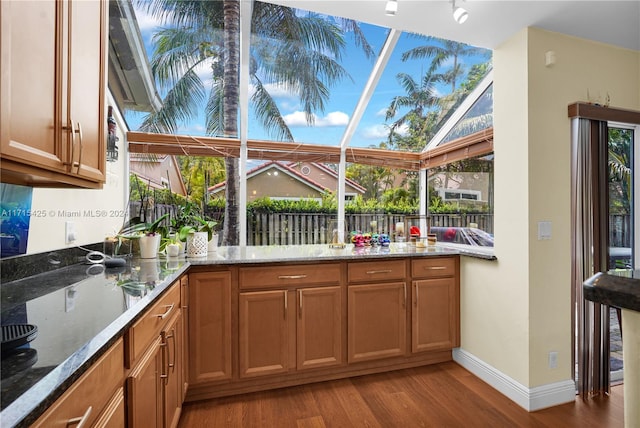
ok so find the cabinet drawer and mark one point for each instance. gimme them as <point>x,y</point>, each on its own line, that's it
<point>433,267</point>
<point>377,271</point>
<point>149,326</point>
<point>83,402</point>
<point>289,275</point>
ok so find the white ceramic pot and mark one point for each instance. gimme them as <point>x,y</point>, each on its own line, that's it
<point>197,244</point>
<point>149,246</point>
<point>213,243</point>
<point>173,250</point>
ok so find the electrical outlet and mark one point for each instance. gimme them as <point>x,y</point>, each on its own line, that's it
<point>553,360</point>
<point>69,232</point>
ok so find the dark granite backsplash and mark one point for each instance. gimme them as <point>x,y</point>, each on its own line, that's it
<point>18,267</point>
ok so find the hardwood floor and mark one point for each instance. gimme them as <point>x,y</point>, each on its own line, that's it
<point>442,395</point>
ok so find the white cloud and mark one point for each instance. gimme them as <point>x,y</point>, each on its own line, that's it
<point>375,132</point>
<point>298,118</point>
<point>382,112</point>
<point>146,21</point>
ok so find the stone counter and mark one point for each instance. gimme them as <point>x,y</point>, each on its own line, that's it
<point>622,289</point>
<point>93,307</point>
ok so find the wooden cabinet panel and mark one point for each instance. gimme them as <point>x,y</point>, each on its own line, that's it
<point>434,315</point>
<point>53,63</point>
<point>264,323</point>
<point>144,389</point>
<point>319,327</point>
<point>433,267</point>
<point>86,83</point>
<point>85,399</point>
<point>209,327</point>
<point>114,414</point>
<point>149,326</point>
<point>171,374</point>
<point>30,86</point>
<point>376,321</point>
<point>289,275</point>
<point>184,301</point>
<point>377,271</point>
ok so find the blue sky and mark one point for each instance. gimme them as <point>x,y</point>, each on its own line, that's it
<point>330,125</point>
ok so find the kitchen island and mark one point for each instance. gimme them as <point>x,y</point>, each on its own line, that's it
<point>82,311</point>
<point>622,289</point>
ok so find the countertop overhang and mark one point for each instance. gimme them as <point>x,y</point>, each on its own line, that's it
<point>616,288</point>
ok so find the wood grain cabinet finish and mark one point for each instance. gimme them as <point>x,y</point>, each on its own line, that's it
<point>265,322</point>
<point>377,321</point>
<point>53,64</point>
<point>89,401</point>
<point>289,324</point>
<point>210,309</point>
<point>155,383</point>
<point>435,312</point>
<point>282,330</point>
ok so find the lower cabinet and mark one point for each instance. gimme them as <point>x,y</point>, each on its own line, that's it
<point>209,327</point>
<point>155,385</point>
<point>377,321</point>
<point>434,315</point>
<point>284,330</point>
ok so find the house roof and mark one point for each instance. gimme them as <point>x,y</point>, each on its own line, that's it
<point>334,174</point>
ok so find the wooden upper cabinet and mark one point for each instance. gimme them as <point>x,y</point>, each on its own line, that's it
<point>52,90</point>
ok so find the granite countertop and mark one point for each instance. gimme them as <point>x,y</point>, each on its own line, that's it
<point>615,288</point>
<point>82,309</point>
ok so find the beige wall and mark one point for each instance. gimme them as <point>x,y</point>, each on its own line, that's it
<point>85,207</point>
<point>516,310</point>
<point>282,186</point>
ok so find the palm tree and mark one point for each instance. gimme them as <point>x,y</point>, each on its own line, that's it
<point>441,50</point>
<point>300,53</point>
<point>420,97</point>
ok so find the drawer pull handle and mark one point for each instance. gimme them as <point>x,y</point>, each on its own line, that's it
<point>79,131</point>
<point>80,421</point>
<point>291,276</point>
<point>435,267</point>
<point>373,272</point>
<point>166,313</point>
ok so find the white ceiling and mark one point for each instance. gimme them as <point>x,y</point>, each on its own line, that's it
<point>491,23</point>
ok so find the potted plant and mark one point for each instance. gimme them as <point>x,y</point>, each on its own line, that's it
<point>149,235</point>
<point>173,246</point>
<point>209,227</point>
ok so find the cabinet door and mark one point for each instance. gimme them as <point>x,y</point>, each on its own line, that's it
<point>434,315</point>
<point>377,325</point>
<point>171,373</point>
<point>319,327</point>
<point>114,414</point>
<point>264,332</point>
<point>144,389</point>
<point>30,91</point>
<point>86,79</point>
<point>210,327</point>
<point>184,300</point>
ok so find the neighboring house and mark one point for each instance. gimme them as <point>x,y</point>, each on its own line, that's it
<point>159,172</point>
<point>291,180</point>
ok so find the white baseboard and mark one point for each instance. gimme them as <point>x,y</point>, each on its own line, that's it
<point>531,399</point>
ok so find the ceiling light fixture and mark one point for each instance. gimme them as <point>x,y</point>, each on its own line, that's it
<point>391,8</point>
<point>460,14</point>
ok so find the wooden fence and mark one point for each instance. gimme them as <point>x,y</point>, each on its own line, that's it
<point>299,228</point>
